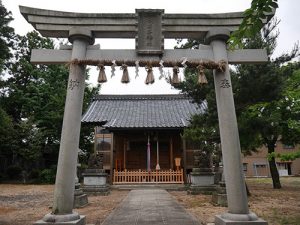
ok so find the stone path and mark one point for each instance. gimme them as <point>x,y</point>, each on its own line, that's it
<point>150,207</point>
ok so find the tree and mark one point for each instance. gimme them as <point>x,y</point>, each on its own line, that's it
<point>6,36</point>
<point>260,100</point>
<point>252,22</point>
<point>204,129</point>
<point>262,107</point>
<point>33,96</point>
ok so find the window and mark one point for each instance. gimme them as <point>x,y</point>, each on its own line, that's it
<point>260,169</point>
<point>288,146</point>
<point>281,166</point>
<point>245,167</point>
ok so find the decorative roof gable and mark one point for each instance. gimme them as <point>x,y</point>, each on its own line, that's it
<point>142,111</point>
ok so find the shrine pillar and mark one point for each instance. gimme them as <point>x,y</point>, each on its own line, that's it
<point>238,210</point>
<point>62,210</point>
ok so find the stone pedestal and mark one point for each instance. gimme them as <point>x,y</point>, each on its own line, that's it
<point>218,176</point>
<point>94,182</point>
<point>219,197</point>
<point>80,199</point>
<point>202,182</point>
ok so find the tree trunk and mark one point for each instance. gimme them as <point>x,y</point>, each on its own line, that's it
<point>247,189</point>
<point>273,168</point>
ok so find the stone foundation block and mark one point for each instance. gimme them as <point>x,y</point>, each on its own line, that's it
<point>80,200</point>
<point>94,182</point>
<point>219,199</point>
<point>206,190</point>
<point>219,220</point>
<point>80,221</point>
<point>96,189</point>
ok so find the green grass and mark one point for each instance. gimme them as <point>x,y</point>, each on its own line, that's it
<point>285,181</point>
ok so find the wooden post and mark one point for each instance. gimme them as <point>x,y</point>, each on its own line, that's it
<point>124,153</point>
<point>95,139</point>
<point>171,153</point>
<point>157,154</point>
<point>112,146</point>
<point>184,158</point>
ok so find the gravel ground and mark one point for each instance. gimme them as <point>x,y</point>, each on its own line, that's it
<point>278,207</point>
<point>25,204</point>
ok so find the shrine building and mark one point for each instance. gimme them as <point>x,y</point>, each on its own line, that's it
<point>140,136</point>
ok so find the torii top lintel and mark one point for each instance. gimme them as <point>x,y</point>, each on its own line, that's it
<point>52,23</point>
<point>148,26</point>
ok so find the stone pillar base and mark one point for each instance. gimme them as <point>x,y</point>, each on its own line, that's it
<point>239,219</point>
<point>51,219</point>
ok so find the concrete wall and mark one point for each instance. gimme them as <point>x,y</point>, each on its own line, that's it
<point>257,163</point>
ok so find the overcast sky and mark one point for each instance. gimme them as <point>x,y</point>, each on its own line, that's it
<point>288,13</point>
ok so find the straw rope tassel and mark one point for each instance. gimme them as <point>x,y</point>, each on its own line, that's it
<point>175,79</point>
<point>125,78</point>
<point>150,76</point>
<point>102,76</point>
<point>201,75</point>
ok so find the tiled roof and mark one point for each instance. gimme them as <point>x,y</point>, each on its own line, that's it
<point>141,111</point>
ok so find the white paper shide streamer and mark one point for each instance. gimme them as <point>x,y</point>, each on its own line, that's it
<point>137,65</point>
<point>161,71</point>
<point>113,68</point>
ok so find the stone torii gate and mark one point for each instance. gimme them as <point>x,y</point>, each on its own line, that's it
<point>149,27</point>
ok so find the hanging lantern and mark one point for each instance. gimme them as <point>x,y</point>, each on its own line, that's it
<point>102,76</point>
<point>201,75</point>
<point>125,77</point>
<point>150,76</point>
<point>175,79</point>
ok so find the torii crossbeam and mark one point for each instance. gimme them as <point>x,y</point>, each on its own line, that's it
<point>149,27</point>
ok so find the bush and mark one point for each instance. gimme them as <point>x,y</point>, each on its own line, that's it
<point>34,174</point>
<point>2,177</point>
<point>47,176</point>
<point>14,172</point>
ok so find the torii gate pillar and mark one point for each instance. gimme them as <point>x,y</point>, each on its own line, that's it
<point>238,211</point>
<point>62,210</point>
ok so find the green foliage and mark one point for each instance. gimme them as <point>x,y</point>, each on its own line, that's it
<point>34,174</point>
<point>47,176</point>
<point>6,37</point>
<point>7,133</point>
<point>14,172</point>
<point>32,99</point>
<point>265,112</point>
<point>266,99</point>
<point>285,156</point>
<point>269,120</point>
<point>252,22</point>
